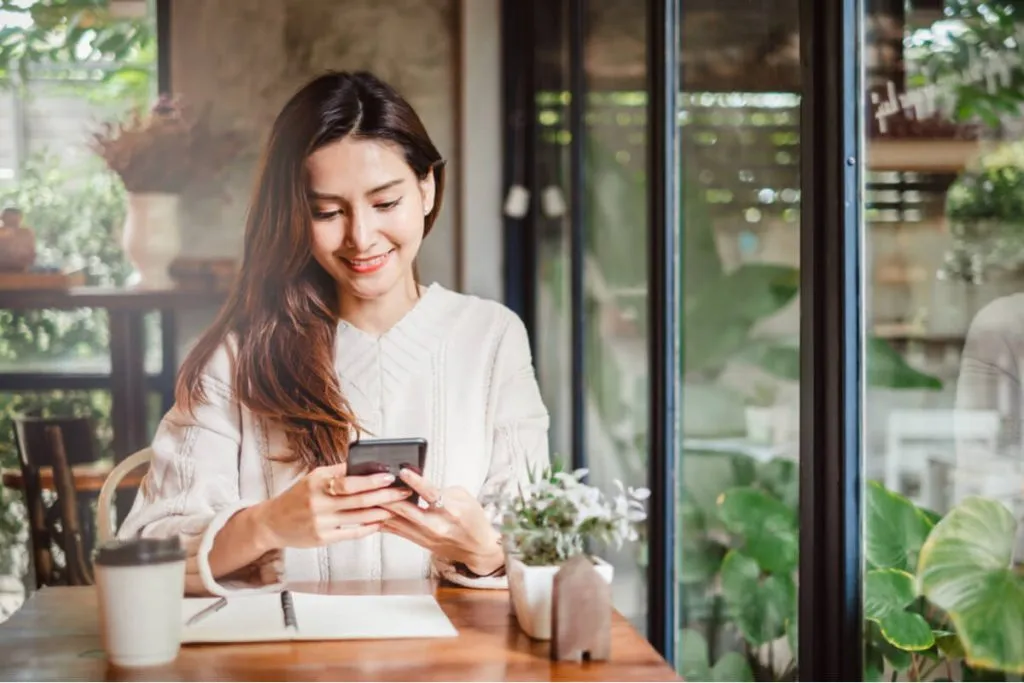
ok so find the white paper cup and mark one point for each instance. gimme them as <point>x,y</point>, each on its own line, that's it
<point>141,584</point>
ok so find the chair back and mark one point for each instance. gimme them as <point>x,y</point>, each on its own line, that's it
<point>106,524</point>
<point>34,445</point>
<point>55,443</point>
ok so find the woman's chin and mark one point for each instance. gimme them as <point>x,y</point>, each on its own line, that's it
<point>365,286</point>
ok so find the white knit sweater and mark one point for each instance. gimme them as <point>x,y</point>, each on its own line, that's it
<point>455,370</point>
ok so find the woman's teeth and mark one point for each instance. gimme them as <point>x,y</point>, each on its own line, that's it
<point>370,264</point>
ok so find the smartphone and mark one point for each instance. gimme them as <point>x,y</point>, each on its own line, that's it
<point>378,456</point>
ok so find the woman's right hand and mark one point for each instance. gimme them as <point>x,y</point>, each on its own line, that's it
<point>325,507</point>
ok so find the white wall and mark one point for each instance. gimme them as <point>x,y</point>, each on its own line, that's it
<point>480,138</point>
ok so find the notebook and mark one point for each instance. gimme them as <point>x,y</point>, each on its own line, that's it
<point>309,616</point>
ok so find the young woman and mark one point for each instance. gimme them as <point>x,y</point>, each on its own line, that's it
<point>328,337</point>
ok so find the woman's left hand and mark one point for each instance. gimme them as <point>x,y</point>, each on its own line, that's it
<point>454,526</point>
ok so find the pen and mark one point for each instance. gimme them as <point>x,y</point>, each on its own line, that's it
<point>206,611</point>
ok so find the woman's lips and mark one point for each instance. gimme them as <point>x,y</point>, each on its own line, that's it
<point>364,266</point>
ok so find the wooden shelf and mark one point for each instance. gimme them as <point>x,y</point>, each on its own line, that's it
<point>922,156</point>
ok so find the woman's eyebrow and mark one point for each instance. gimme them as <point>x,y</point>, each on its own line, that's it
<point>386,186</point>
<point>327,196</point>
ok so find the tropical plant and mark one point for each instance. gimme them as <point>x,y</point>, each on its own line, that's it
<point>940,593</point>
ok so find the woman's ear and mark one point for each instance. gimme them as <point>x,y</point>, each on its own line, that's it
<point>428,190</point>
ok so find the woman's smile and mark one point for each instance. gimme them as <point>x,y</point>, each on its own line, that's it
<point>365,266</point>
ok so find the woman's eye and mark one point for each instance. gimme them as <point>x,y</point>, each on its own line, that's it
<point>387,206</point>
<point>325,215</point>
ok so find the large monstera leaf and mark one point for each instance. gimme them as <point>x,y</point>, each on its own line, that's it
<point>966,568</point>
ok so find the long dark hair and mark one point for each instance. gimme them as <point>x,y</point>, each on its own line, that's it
<point>283,307</point>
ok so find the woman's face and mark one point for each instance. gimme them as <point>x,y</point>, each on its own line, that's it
<point>368,214</point>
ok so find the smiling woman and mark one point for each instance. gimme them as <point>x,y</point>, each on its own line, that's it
<point>327,338</point>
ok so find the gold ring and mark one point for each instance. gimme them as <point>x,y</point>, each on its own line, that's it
<point>439,503</point>
<point>330,487</point>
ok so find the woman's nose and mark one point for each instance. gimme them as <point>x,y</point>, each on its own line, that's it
<point>360,236</point>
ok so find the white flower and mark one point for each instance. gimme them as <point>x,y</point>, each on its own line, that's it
<point>642,493</point>
<point>556,515</point>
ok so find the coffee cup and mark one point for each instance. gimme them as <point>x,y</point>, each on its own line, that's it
<point>141,585</point>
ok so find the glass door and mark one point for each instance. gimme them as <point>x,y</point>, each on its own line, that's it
<point>739,173</point>
<point>943,277</point>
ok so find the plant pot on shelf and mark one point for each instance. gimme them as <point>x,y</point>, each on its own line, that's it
<point>530,589</point>
<point>17,243</point>
<point>761,424</point>
<point>151,238</point>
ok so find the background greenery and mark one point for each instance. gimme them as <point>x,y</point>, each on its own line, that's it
<point>76,212</point>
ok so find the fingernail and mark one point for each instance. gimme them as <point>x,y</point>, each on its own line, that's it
<point>386,478</point>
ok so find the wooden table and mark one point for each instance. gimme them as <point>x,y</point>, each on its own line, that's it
<point>88,478</point>
<point>128,382</point>
<point>55,636</point>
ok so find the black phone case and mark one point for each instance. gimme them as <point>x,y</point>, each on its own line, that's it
<point>377,456</point>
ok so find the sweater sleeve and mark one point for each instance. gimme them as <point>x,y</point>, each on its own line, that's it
<point>520,433</point>
<point>192,486</point>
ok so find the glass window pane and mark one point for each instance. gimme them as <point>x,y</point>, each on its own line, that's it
<point>943,269</point>
<point>615,270</point>
<point>739,117</point>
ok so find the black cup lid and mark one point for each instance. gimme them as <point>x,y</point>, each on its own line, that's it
<point>140,551</point>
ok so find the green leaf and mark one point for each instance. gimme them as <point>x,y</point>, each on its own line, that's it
<point>965,569</point>
<point>949,644</point>
<point>781,478</point>
<point>907,631</point>
<point>693,656</point>
<point>887,591</point>
<point>899,660</point>
<point>767,526</point>
<point>719,317</point>
<point>887,368</point>
<point>760,608</point>
<point>699,560</point>
<point>780,360</point>
<point>731,667</point>
<point>894,529</point>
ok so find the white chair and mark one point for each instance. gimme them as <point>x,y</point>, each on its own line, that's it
<point>107,525</point>
<point>925,446</point>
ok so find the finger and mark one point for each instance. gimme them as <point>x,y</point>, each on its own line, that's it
<point>350,533</point>
<point>347,486</point>
<point>330,471</point>
<point>371,499</point>
<point>409,512</point>
<point>367,516</point>
<point>420,485</point>
<point>406,530</point>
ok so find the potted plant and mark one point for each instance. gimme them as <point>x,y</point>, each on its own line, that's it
<point>761,414</point>
<point>158,155</point>
<point>557,517</point>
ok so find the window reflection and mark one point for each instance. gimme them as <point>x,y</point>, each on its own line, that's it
<point>943,209</point>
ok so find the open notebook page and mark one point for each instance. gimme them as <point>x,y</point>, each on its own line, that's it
<point>248,618</point>
<point>254,618</point>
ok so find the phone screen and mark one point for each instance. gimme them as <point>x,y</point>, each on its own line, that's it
<point>379,456</point>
